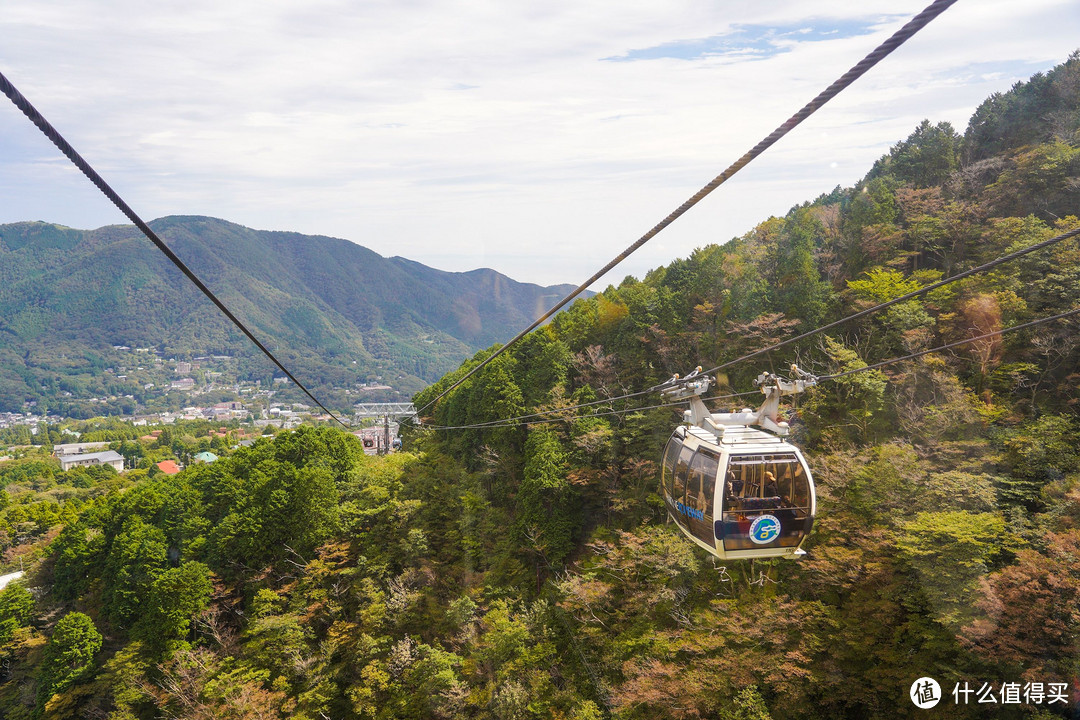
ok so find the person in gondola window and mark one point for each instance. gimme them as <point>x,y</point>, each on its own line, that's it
<point>734,486</point>
<point>770,485</point>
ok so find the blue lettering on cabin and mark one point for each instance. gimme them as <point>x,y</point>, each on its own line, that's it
<point>689,511</point>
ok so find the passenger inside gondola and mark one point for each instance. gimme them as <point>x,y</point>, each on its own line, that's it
<point>764,484</point>
<point>770,486</point>
<point>734,488</point>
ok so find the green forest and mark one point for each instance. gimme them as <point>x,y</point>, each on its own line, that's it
<point>528,570</point>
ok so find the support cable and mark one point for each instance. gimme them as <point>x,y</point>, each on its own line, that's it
<point>862,313</point>
<point>879,53</point>
<point>855,316</point>
<point>908,296</point>
<point>65,147</point>
<point>922,290</point>
<point>875,366</point>
<point>919,354</point>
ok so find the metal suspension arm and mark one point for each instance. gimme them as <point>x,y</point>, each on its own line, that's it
<point>774,387</point>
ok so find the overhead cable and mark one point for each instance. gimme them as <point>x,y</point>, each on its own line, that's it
<point>907,296</point>
<point>65,147</point>
<point>879,53</point>
<point>862,313</point>
<point>505,422</point>
<point>919,354</point>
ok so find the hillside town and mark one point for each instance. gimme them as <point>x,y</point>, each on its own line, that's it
<point>167,390</point>
<point>207,407</point>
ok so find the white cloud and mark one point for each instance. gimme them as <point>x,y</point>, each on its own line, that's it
<point>468,134</point>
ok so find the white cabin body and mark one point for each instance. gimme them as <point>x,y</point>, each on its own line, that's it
<point>743,494</point>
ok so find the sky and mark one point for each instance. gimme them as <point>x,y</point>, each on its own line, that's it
<point>539,139</point>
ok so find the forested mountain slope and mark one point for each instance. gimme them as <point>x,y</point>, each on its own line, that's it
<point>526,570</point>
<point>67,296</point>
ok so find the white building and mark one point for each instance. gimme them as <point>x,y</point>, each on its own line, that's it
<point>109,457</point>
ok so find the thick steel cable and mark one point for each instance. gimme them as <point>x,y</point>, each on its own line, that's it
<point>65,147</point>
<point>914,293</point>
<point>509,422</point>
<point>898,38</point>
<point>912,356</point>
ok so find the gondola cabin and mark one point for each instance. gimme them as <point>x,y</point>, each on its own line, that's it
<point>747,494</point>
<point>731,482</point>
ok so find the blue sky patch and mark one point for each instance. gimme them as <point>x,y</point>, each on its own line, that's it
<point>752,41</point>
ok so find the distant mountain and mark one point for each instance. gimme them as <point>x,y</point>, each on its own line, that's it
<point>322,304</point>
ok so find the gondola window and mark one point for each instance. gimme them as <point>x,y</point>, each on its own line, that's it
<point>756,485</point>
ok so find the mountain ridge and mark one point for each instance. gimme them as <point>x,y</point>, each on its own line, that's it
<point>316,301</point>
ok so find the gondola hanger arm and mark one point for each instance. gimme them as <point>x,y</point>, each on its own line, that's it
<point>766,417</point>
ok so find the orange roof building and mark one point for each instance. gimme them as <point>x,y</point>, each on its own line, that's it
<point>168,467</point>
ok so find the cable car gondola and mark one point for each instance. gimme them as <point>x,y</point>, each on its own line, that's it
<point>731,482</point>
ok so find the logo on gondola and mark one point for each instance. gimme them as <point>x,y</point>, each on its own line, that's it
<point>764,529</point>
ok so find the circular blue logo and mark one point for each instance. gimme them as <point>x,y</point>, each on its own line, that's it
<point>764,529</point>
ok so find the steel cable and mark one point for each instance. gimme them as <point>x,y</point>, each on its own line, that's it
<point>65,147</point>
<point>879,53</point>
<point>509,422</point>
<point>986,336</point>
<point>908,296</point>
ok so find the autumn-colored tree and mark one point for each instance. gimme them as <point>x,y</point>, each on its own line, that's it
<point>1029,622</point>
<point>978,316</point>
